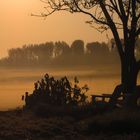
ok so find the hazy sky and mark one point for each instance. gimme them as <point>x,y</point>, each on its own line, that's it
<point>18,27</point>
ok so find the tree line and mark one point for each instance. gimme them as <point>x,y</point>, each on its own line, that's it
<point>61,54</point>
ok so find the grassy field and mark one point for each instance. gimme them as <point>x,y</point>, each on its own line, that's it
<point>120,124</point>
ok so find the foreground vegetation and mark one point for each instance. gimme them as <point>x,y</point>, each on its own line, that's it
<point>117,125</point>
<point>54,115</point>
<point>56,92</point>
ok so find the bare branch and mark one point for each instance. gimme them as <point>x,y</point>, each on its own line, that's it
<point>114,30</point>
<point>91,15</point>
<point>44,15</point>
<point>122,9</point>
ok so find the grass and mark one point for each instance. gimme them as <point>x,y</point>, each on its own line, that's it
<point>119,124</point>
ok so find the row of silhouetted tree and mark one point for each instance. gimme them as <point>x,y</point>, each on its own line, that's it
<point>62,54</point>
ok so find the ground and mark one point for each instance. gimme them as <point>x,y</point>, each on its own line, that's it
<point>119,124</point>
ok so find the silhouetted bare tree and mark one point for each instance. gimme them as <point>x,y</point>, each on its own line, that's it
<point>119,16</point>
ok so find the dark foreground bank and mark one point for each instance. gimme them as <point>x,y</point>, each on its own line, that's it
<point>120,124</point>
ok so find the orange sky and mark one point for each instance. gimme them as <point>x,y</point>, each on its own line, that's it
<point>18,27</point>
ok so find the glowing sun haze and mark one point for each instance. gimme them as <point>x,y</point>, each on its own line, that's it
<point>18,27</point>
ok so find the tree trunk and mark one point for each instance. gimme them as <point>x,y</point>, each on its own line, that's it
<point>129,73</point>
<point>128,85</point>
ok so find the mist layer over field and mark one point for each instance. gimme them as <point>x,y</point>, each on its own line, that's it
<point>15,82</point>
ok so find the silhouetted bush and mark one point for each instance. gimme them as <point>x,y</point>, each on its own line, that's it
<point>53,96</point>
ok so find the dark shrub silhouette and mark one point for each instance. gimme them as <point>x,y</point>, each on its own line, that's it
<point>50,91</point>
